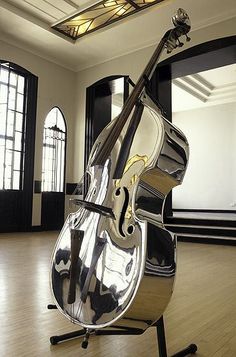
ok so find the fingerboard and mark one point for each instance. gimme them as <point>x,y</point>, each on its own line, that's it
<point>104,152</point>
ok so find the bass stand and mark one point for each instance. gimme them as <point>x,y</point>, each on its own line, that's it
<point>160,329</point>
<point>191,349</point>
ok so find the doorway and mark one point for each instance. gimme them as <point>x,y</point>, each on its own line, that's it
<point>204,108</point>
<point>104,101</point>
<point>204,57</point>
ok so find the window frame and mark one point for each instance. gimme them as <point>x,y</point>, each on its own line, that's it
<point>18,71</point>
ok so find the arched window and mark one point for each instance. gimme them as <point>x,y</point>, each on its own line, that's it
<point>54,145</point>
<point>18,103</point>
<point>12,117</point>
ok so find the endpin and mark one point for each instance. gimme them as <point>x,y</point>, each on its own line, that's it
<point>84,344</point>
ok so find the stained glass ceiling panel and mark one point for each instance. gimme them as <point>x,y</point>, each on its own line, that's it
<point>100,15</point>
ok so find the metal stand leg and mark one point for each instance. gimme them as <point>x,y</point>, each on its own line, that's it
<point>54,340</point>
<point>161,338</point>
<point>162,342</point>
<point>187,351</point>
<point>160,328</point>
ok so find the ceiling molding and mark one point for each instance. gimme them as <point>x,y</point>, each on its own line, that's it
<point>71,3</point>
<point>43,11</point>
<point>196,85</point>
<point>17,44</point>
<point>32,19</point>
<point>225,92</point>
<point>223,16</point>
<point>189,89</point>
<point>202,89</point>
<point>24,14</point>
<point>229,86</point>
<point>202,81</point>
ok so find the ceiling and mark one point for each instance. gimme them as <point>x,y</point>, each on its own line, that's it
<point>200,90</point>
<point>27,24</point>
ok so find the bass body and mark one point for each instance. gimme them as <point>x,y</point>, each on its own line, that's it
<point>114,259</point>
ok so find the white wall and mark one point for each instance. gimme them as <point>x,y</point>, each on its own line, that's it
<point>55,88</point>
<point>132,65</point>
<point>62,87</point>
<point>210,179</point>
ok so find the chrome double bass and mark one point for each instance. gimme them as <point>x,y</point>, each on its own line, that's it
<point>114,261</point>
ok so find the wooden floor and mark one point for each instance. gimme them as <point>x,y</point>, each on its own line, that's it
<point>202,310</point>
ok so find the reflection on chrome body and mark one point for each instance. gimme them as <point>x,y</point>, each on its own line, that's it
<point>114,261</point>
<point>119,269</point>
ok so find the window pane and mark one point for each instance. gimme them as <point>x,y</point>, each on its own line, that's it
<point>3,117</point>
<point>3,93</point>
<point>61,122</point>
<point>7,183</point>
<point>13,78</point>
<point>20,102</point>
<point>11,127</point>
<point>9,130</point>
<point>12,98</point>
<point>4,75</point>
<point>21,84</point>
<point>51,119</point>
<point>17,160</point>
<point>10,117</point>
<point>19,121</point>
<point>8,159</point>
<point>16,180</point>
<point>9,144</point>
<point>8,176</point>
<point>62,170</point>
<point>18,141</point>
<point>2,145</point>
<point>2,153</point>
<point>53,152</point>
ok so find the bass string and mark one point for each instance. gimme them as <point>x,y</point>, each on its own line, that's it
<point>71,226</point>
<point>75,311</point>
<point>105,150</point>
<point>115,132</point>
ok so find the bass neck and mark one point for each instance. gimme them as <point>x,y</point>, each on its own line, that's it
<point>104,152</point>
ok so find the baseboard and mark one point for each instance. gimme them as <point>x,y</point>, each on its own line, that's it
<point>208,240</point>
<point>36,229</point>
<point>202,210</point>
<point>202,231</point>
